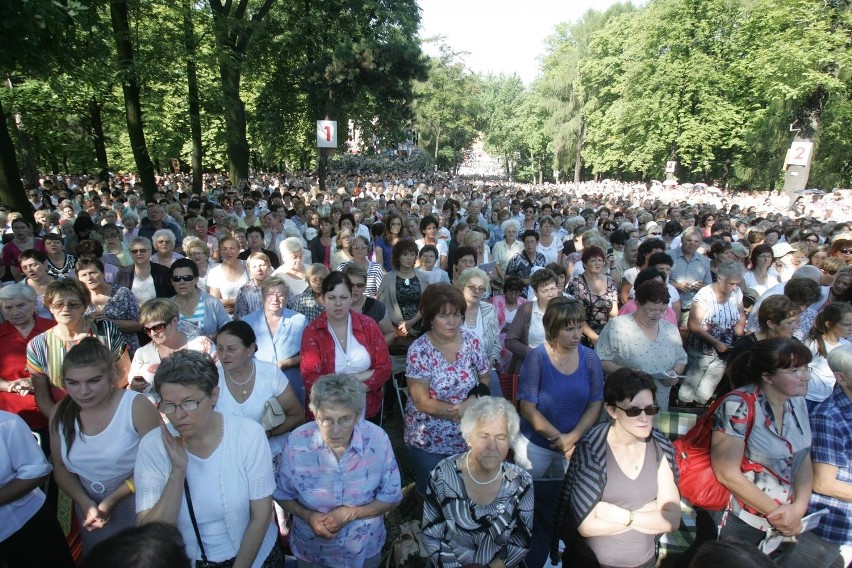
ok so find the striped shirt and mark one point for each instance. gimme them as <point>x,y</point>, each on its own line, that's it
<point>46,351</point>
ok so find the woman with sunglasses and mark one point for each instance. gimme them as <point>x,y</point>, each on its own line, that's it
<point>359,248</point>
<point>95,433</point>
<point>214,480</point>
<point>68,300</point>
<point>200,313</point>
<point>620,491</point>
<point>842,249</point>
<point>145,279</point>
<point>481,317</point>
<point>160,318</point>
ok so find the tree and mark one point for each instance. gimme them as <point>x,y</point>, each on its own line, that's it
<point>501,101</point>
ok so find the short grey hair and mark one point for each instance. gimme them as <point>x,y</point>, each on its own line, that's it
<point>187,368</point>
<point>15,291</point>
<point>840,360</point>
<point>164,233</point>
<point>129,217</point>
<point>473,272</point>
<point>731,270</point>
<point>510,223</point>
<point>810,272</point>
<point>292,245</point>
<point>274,282</point>
<point>488,408</point>
<point>145,241</point>
<point>338,390</point>
<point>632,241</point>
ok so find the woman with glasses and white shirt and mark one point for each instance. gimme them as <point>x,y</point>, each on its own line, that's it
<point>159,318</point>
<point>145,279</point>
<point>481,318</point>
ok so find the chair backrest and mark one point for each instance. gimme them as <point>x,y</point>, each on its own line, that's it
<point>674,424</point>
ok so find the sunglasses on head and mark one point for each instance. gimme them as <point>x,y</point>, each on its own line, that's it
<point>633,411</point>
<point>184,278</point>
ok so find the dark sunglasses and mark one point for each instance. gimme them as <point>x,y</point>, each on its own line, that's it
<point>156,328</point>
<point>633,412</point>
<point>184,278</point>
<point>846,250</point>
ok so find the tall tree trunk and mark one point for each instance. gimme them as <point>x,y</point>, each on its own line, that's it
<point>194,104</point>
<point>97,134</point>
<point>578,158</point>
<point>11,187</point>
<point>132,100</point>
<point>31,171</point>
<point>235,123</point>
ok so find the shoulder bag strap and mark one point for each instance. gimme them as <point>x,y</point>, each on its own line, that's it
<point>192,517</point>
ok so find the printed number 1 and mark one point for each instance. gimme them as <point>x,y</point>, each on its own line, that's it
<point>327,133</point>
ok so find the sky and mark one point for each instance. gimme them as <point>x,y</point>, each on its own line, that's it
<point>500,36</point>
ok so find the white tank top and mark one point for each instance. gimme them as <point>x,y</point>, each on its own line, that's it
<point>109,454</point>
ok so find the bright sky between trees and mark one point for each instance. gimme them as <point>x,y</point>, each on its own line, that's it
<point>501,36</point>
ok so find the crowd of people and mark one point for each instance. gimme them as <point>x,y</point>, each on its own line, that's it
<point>215,364</point>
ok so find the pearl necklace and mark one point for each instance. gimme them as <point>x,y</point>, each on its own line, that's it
<point>470,474</point>
<point>245,382</point>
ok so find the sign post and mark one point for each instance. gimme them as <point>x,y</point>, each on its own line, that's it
<point>326,147</point>
<point>797,166</point>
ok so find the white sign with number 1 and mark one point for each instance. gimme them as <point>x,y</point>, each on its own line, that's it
<point>326,134</point>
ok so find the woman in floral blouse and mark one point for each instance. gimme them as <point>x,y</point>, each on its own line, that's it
<point>445,368</point>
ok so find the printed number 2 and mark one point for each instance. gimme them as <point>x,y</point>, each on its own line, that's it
<point>799,153</point>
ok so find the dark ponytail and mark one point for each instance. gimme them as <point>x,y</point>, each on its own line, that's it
<point>767,356</point>
<point>89,352</point>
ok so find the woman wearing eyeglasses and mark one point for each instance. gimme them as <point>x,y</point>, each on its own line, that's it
<point>842,249</point>
<point>774,494</point>
<point>338,477</point>
<point>204,313</point>
<point>359,248</point>
<point>145,279</point>
<point>342,341</point>
<point>620,491</point>
<point>159,319</point>
<point>214,480</point>
<point>481,318</point>
<point>95,432</point>
<point>68,300</point>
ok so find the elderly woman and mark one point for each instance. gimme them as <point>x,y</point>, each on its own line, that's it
<point>560,392</point>
<point>110,302</point>
<point>401,290</point>
<point>479,508</point>
<point>363,304</point>
<point>226,279</point>
<point>621,487</point>
<point>159,318</point>
<point>145,279</point>
<point>248,383</point>
<point>644,341</point>
<point>59,263</point>
<point>522,264</point>
<point>130,227</point>
<point>95,432</point>
<point>68,300</point>
<point>344,527</point>
<point>214,481</point>
<point>504,250</point>
<point>20,325</point>
<point>278,332</point>
<point>197,252</point>
<point>481,318</point>
<point>597,291</point>
<point>447,368</point>
<point>114,245</point>
<point>716,318</point>
<point>33,266</point>
<point>359,249</point>
<point>164,242</point>
<point>250,298</point>
<point>200,313</point>
<point>341,248</point>
<point>292,270</point>
<point>342,341</point>
<point>526,332</point>
<point>774,496</point>
<point>198,228</point>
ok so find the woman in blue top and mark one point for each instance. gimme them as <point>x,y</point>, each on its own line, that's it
<point>560,391</point>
